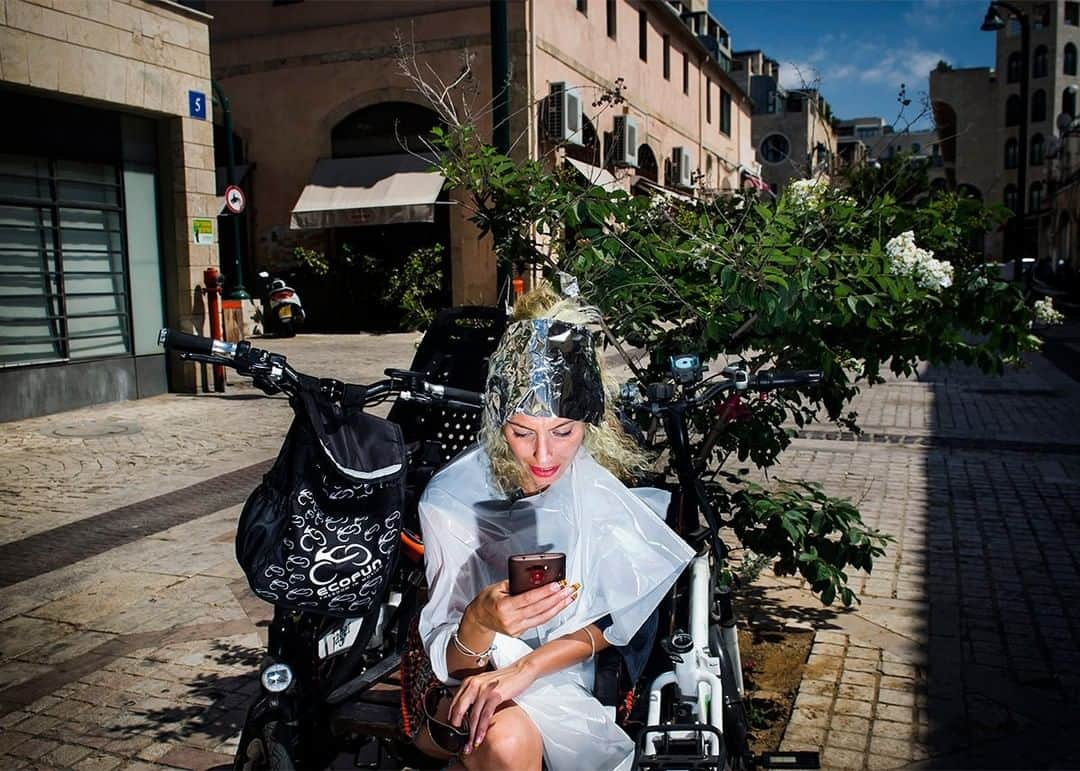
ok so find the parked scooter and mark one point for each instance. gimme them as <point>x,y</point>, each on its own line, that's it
<point>282,311</point>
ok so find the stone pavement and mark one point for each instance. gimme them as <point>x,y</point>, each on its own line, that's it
<point>140,651</point>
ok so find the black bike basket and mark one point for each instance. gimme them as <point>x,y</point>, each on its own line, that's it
<point>321,532</point>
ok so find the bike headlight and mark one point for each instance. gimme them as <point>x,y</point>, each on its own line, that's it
<point>276,677</point>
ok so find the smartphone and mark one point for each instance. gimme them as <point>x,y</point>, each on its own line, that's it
<point>528,571</point>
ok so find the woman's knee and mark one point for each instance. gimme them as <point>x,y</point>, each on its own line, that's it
<point>512,742</point>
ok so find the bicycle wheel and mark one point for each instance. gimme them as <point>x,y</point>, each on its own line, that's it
<point>736,724</point>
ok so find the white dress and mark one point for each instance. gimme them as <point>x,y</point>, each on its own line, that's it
<point>617,547</point>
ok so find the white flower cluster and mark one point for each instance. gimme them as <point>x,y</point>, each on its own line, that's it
<point>807,193</point>
<point>1046,313</point>
<point>909,260</point>
<point>811,194</point>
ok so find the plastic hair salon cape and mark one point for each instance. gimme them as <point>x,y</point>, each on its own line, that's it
<point>617,547</point>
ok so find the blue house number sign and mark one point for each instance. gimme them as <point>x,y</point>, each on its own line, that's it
<point>197,104</point>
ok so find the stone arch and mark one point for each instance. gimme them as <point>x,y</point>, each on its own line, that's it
<point>355,102</point>
<point>970,190</point>
<point>647,165</point>
<point>384,128</point>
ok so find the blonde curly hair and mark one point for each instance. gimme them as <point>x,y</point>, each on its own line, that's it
<point>607,443</point>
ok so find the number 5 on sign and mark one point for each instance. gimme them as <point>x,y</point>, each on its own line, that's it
<point>197,104</point>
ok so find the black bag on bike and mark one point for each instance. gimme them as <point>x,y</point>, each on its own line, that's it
<point>321,532</point>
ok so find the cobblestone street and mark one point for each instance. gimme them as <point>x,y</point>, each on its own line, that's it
<point>135,645</point>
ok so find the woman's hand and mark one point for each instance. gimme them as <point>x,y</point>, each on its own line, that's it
<point>496,609</point>
<point>480,695</point>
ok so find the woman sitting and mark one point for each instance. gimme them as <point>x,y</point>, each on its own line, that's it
<point>544,478</point>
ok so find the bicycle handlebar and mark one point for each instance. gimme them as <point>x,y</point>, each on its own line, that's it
<point>182,342</point>
<point>271,373</point>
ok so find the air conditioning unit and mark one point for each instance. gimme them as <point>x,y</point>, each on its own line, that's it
<point>680,167</point>
<point>624,151</point>
<point>563,118</point>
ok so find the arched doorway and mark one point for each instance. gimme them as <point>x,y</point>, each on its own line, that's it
<point>647,166</point>
<point>396,254</point>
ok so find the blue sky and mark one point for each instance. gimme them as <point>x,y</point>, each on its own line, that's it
<point>861,50</point>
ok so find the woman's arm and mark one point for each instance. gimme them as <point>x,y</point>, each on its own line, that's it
<point>496,610</point>
<point>480,695</point>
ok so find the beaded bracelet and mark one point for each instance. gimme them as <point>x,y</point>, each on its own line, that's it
<point>482,657</point>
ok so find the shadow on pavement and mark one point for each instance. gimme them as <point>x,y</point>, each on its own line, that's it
<point>211,709</point>
<point>1002,580</point>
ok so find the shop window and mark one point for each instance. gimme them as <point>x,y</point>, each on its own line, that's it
<point>1012,157</point>
<point>63,277</point>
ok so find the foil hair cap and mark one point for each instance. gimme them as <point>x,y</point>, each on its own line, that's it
<point>545,369</point>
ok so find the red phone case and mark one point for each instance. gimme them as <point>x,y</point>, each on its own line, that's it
<point>528,571</point>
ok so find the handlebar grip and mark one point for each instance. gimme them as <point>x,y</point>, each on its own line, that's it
<point>459,395</point>
<point>764,381</point>
<point>175,340</point>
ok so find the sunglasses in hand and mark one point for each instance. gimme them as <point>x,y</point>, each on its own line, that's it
<point>446,737</point>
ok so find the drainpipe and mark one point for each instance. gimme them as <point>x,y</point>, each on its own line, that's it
<point>500,92</point>
<point>237,292</point>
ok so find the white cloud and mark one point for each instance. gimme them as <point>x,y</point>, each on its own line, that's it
<point>800,74</point>
<point>896,66</point>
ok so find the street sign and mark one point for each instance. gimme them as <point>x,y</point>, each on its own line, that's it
<point>203,231</point>
<point>197,104</point>
<point>234,199</point>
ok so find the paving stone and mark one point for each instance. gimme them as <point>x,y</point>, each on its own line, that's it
<point>868,654</point>
<point>853,707</point>
<point>884,762</point>
<point>847,740</point>
<point>897,714</point>
<point>33,748</point>
<point>856,692</point>
<point>897,748</point>
<point>66,755</point>
<point>892,730</point>
<point>817,687</point>
<point>99,761</point>
<point>851,723</point>
<point>810,716</point>
<point>11,739</point>
<point>828,649</point>
<point>861,665</point>
<point>852,677</point>
<point>899,698</point>
<point>799,737</point>
<point>814,701</point>
<point>838,757</point>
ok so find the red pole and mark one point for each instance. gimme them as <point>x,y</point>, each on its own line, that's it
<point>212,281</point>
<point>519,287</point>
